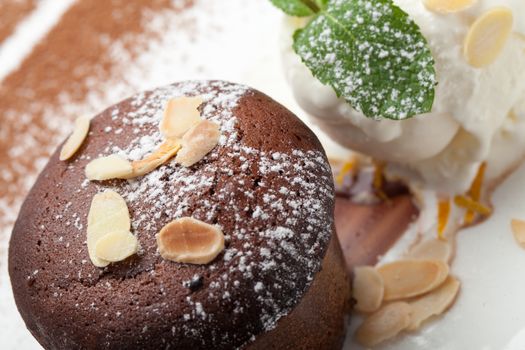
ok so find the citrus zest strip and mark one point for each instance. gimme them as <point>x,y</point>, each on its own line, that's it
<point>443,216</point>
<point>345,170</point>
<point>378,179</point>
<point>475,192</point>
<point>470,204</point>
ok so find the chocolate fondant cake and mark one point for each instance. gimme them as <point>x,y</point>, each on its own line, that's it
<point>280,281</point>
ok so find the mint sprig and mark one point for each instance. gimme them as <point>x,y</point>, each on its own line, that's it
<point>372,54</point>
<point>300,8</point>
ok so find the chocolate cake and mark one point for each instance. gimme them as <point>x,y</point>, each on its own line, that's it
<point>280,282</point>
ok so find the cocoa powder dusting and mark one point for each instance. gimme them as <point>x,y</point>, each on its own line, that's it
<point>69,63</point>
<point>11,13</point>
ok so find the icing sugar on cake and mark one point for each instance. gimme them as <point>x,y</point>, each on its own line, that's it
<point>273,204</point>
<point>148,46</point>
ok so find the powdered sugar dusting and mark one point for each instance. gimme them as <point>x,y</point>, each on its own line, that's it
<point>274,207</point>
<point>208,27</point>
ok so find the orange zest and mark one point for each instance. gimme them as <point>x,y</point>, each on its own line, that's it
<point>475,194</point>
<point>470,204</point>
<point>345,170</point>
<point>443,216</point>
<point>378,179</point>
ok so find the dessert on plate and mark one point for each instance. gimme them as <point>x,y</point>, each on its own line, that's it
<point>429,93</point>
<point>197,215</point>
<point>486,259</point>
<point>477,108</point>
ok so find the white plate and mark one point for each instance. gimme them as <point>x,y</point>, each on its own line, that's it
<point>489,312</point>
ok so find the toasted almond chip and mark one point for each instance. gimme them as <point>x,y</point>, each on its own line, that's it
<point>180,115</point>
<point>433,303</point>
<point>116,246</point>
<point>410,278</point>
<point>448,6</point>
<point>384,324</point>
<point>167,149</point>
<point>368,289</point>
<point>108,213</point>
<point>487,36</point>
<point>518,229</point>
<point>76,139</point>
<point>432,249</point>
<point>110,167</point>
<point>188,240</point>
<point>198,142</point>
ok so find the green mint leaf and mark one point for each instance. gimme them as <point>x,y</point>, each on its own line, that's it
<point>321,3</point>
<point>373,55</point>
<point>298,8</point>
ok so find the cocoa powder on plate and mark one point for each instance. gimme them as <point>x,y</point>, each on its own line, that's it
<point>72,60</point>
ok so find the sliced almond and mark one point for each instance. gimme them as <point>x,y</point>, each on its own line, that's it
<point>434,303</point>
<point>110,167</point>
<point>432,249</point>
<point>180,115</point>
<point>410,278</point>
<point>116,246</point>
<point>188,240</point>
<point>108,213</point>
<point>76,139</point>
<point>448,6</point>
<point>487,37</point>
<point>368,289</point>
<point>518,229</point>
<point>384,324</point>
<point>167,149</point>
<point>198,142</point>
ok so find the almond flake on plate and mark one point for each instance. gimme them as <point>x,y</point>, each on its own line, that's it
<point>198,142</point>
<point>432,249</point>
<point>518,229</point>
<point>410,278</point>
<point>108,213</point>
<point>180,115</point>
<point>433,303</point>
<point>487,36</point>
<point>384,324</point>
<point>192,241</point>
<point>448,6</point>
<point>164,153</point>
<point>116,246</point>
<point>76,138</point>
<point>368,289</point>
<point>110,167</point>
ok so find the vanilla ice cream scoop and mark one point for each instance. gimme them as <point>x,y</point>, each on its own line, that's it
<point>478,112</point>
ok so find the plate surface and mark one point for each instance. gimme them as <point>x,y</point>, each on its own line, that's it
<point>490,265</point>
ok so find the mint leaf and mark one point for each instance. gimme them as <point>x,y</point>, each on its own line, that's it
<point>373,55</point>
<point>321,4</point>
<point>299,8</point>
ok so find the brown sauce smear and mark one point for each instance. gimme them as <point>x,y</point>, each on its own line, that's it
<point>367,231</point>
